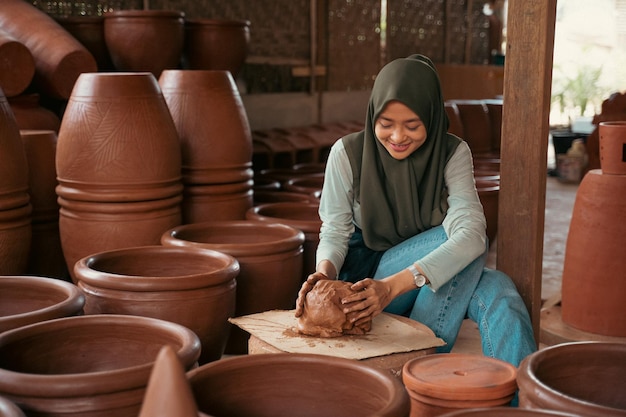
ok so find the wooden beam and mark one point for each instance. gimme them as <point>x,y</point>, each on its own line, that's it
<point>525,129</point>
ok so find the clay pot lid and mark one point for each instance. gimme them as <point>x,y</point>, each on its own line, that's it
<point>458,376</point>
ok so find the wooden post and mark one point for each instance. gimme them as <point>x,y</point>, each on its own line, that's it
<point>525,129</point>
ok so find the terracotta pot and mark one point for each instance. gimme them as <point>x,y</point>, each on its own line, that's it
<point>26,300</point>
<point>17,66</point>
<point>476,125</point>
<point>584,378</point>
<point>9,409</point>
<point>89,31</point>
<point>307,184</point>
<point>594,253</point>
<point>284,384</point>
<point>30,115</point>
<point>118,165</point>
<point>87,365</point>
<point>15,207</point>
<point>144,40</point>
<point>488,193</point>
<point>59,57</point>
<point>302,216</point>
<point>270,258</point>
<point>264,197</point>
<point>446,382</point>
<point>216,44</point>
<point>506,412</point>
<point>203,203</point>
<point>193,287</point>
<point>613,147</point>
<point>265,184</point>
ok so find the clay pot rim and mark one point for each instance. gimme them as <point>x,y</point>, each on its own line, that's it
<point>73,302</point>
<point>613,123</point>
<point>507,412</point>
<point>217,22</point>
<point>90,383</point>
<point>144,13</point>
<point>110,86</point>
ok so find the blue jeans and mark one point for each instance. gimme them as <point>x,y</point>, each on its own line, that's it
<point>486,296</point>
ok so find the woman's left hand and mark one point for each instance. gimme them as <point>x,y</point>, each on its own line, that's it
<point>369,300</point>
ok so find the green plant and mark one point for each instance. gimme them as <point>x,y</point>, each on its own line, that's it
<point>575,92</point>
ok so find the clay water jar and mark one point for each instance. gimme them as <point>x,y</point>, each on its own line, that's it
<point>446,382</point>
<point>506,412</point>
<point>194,287</point>
<point>26,300</point>
<point>270,257</point>
<point>489,193</point>
<point>216,44</point>
<point>92,365</point>
<point>144,40</point>
<point>583,378</point>
<point>302,216</point>
<point>9,409</point>
<point>287,384</point>
<point>613,147</point>
<point>17,65</point>
<point>118,165</point>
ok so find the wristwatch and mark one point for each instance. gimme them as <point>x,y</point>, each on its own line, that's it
<point>418,278</point>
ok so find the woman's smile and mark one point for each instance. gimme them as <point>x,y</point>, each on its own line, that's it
<point>400,130</point>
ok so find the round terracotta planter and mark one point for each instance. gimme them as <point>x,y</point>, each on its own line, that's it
<point>506,412</point>
<point>302,216</point>
<point>270,260</point>
<point>89,31</point>
<point>26,300</point>
<point>30,115</point>
<point>144,40</point>
<point>583,378</point>
<point>9,409</point>
<point>265,197</point>
<point>306,184</point>
<point>446,382</point>
<point>118,165</point>
<point>216,44</point>
<point>613,147</point>
<point>193,287</point>
<point>87,365</point>
<point>287,384</point>
<point>17,66</point>
<point>488,193</point>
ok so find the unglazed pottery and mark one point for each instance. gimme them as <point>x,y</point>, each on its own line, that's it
<point>9,409</point>
<point>506,412</point>
<point>270,258</point>
<point>87,366</point>
<point>59,57</point>
<point>30,115</point>
<point>89,31</point>
<point>489,193</point>
<point>194,287</point>
<point>583,378</point>
<point>613,147</point>
<point>446,382</point>
<point>306,184</point>
<point>26,300</point>
<point>17,66</point>
<point>287,384</point>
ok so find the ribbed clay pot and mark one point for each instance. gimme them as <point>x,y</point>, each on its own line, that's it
<point>216,44</point>
<point>89,31</point>
<point>613,147</point>
<point>489,193</point>
<point>586,379</point>
<point>26,300</point>
<point>287,384</point>
<point>17,66</point>
<point>9,409</point>
<point>193,287</point>
<point>15,207</point>
<point>30,115</point>
<point>306,184</point>
<point>446,382</point>
<point>87,366</point>
<point>506,412</point>
<point>264,197</point>
<point>144,40</point>
<point>118,165</point>
<point>216,144</point>
<point>270,259</point>
<point>302,216</point>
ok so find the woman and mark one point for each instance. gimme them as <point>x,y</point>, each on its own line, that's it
<point>402,220</point>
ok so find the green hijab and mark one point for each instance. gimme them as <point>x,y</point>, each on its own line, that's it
<point>400,199</point>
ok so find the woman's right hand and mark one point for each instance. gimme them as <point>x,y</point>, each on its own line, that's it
<point>307,286</point>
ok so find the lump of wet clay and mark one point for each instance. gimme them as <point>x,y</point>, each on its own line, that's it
<point>323,314</point>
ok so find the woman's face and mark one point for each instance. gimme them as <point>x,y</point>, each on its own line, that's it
<point>399,130</point>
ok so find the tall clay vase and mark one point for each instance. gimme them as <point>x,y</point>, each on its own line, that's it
<point>594,251</point>
<point>26,300</point>
<point>193,287</point>
<point>86,366</point>
<point>118,165</point>
<point>144,40</point>
<point>15,207</point>
<point>216,44</point>
<point>586,379</point>
<point>287,384</point>
<point>270,259</point>
<point>216,144</point>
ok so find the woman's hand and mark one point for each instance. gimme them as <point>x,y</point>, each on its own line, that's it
<point>304,290</point>
<point>369,300</point>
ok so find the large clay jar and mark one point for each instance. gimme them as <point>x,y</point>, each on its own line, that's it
<point>31,115</point>
<point>59,57</point>
<point>506,412</point>
<point>118,165</point>
<point>302,216</point>
<point>594,250</point>
<point>17,66</point>
<point>216,144</point>
<point>270,258</point>
<point>9,409</point>
<point>86,366</point>
<point>145,40</point>
<point>15,207</point>
<point>446,382</point>
<point>193,287</point>
<point>488,194</point>
<point>29,299</point>
<point>89,31</point>
<point>287,384</point>
<point>46,253</point>
<point>216,44</point>
<point>583,378</point>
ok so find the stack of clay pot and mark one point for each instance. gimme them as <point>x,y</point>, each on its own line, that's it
<point>213,129</point>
